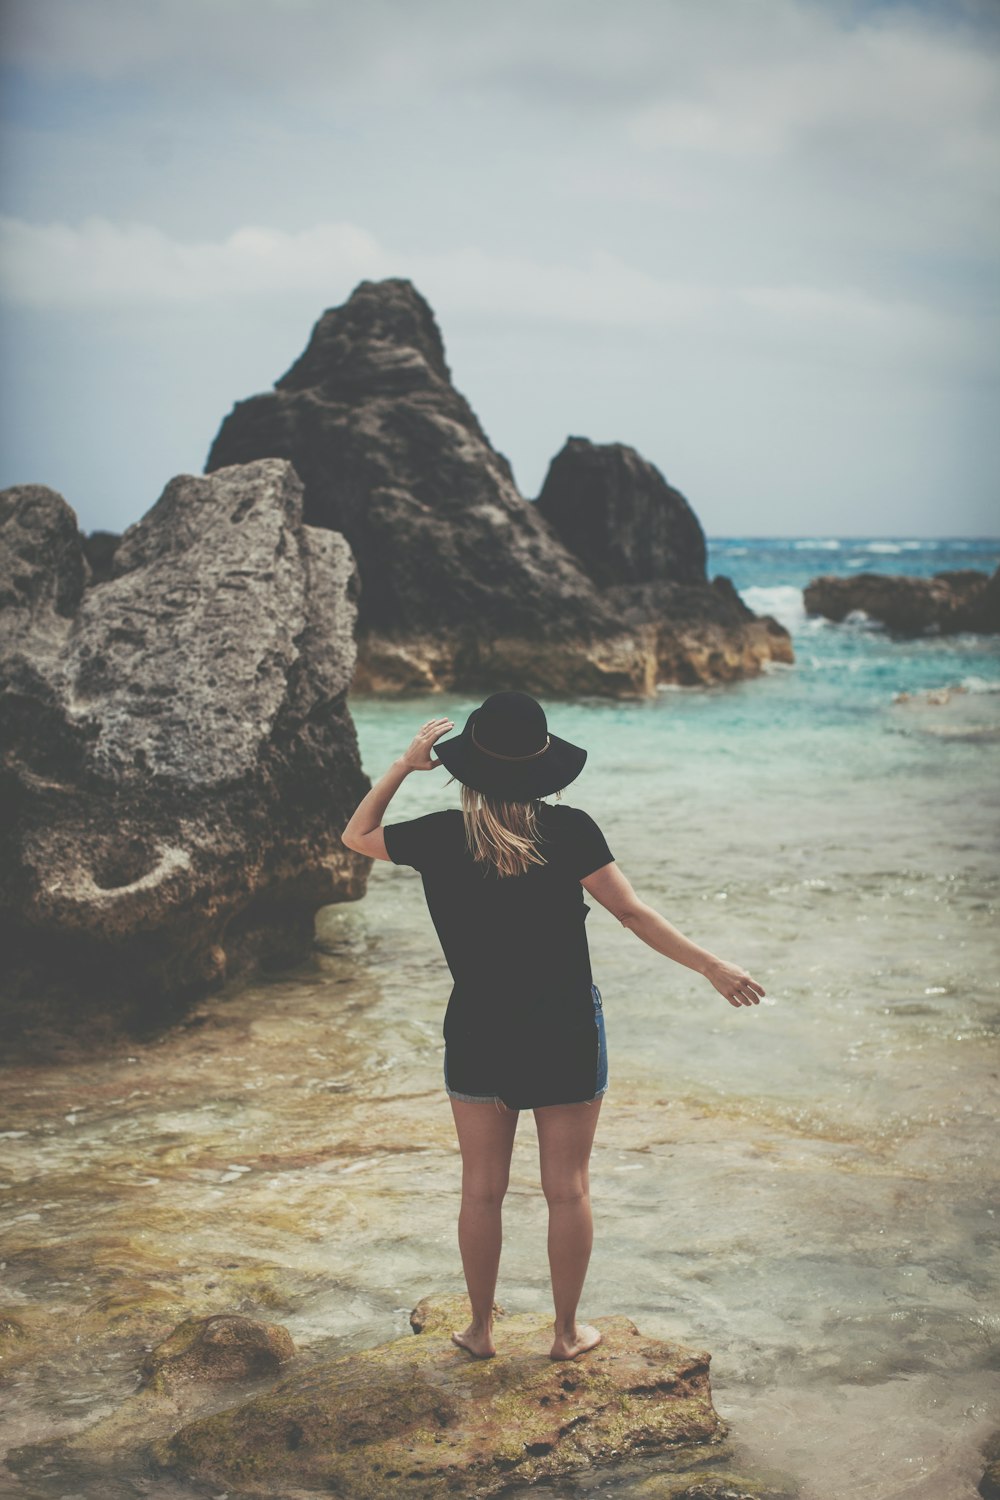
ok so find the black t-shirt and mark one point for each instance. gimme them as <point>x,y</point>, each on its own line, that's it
<point>520,1015</point>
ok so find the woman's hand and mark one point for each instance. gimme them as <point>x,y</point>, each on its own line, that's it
<point>418,757</point>
<point>733,982</point>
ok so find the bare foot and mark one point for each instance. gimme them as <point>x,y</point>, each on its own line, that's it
<point>478,1341</point>
<point>585,1338</point>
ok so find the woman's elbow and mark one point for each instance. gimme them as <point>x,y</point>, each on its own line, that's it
<point>632,915</point>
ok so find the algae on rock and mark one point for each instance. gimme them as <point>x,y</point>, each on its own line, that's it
<point>419,1417</point>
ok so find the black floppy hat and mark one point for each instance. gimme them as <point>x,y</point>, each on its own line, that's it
<point>507,752</point>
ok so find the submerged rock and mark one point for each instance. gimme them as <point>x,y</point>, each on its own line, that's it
<point>465,585</point>
<point>221,1347</point>
<point>989,1485</point>
<point>959,600</point>
<point>179,759</point>
<point>419,1417</point>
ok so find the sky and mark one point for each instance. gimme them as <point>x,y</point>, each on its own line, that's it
<point>758,240</point>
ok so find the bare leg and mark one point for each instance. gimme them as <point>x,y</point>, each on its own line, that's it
<point>486,1137</point>
<point>565,1136</point>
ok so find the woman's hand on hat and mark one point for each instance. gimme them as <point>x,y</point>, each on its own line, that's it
<point>418,757</point>
<point>735,983</point>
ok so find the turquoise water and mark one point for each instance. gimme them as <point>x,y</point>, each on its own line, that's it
<point>827,1239</point>
<point>781,814</point>
<point>859,663</point>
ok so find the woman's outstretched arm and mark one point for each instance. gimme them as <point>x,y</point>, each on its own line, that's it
<point>364,832</point>
<point>610,887</point>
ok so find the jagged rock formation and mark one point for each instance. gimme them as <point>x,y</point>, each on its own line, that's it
<point>962,599</point>
<point>643,546</point>
<point>462,582</point>
<point>178,758</point>
<point>620,518</point>
<point>418,1417</point>
<point>465,585</point>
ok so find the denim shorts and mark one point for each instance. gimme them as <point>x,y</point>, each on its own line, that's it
<point>602,1064</point>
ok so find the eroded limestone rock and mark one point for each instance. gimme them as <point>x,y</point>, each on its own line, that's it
<point>178,757</point>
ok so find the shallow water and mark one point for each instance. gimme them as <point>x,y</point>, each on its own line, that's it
<point>807,1189</point>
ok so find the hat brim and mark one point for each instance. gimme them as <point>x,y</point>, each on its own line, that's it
<point>510,780</point>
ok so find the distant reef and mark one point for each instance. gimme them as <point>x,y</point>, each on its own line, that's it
<point>960,600</point>
<point>599,588</point>
<point>178,758</point>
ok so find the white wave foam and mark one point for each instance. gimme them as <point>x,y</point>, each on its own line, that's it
<point>781,600</point>
<point>735,551</point>
<point>883,547</point>
<point>861,620</point>
<point>979,685</point>
<point>814,544</point>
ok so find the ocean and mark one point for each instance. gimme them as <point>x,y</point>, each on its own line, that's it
<point>807,1188</point>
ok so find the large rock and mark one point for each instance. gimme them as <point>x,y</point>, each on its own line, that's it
<point>964,599</point>
<point>419,1417</point>
<point>620,518</point>
<point>642,545</point>
<point>221,1401</point>
<point>465,585</point>
<point>178,757</point>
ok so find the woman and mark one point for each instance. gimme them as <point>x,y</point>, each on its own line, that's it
<point>504,880</point>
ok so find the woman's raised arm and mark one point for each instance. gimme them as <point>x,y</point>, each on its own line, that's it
<point>364,831</point>
<point>609,886</point>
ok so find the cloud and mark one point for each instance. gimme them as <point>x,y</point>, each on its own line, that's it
<point>98,265</point>
<point>688,225</point>
<point>922,91</point>
<point>847,128</point>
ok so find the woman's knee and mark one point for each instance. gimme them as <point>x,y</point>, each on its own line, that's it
<point>483,1188</point>
<point>565,1188</point>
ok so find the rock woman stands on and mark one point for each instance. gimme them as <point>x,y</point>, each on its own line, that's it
<point>524,1029</point>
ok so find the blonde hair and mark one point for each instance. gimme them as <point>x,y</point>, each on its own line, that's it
<point>502,834</point>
